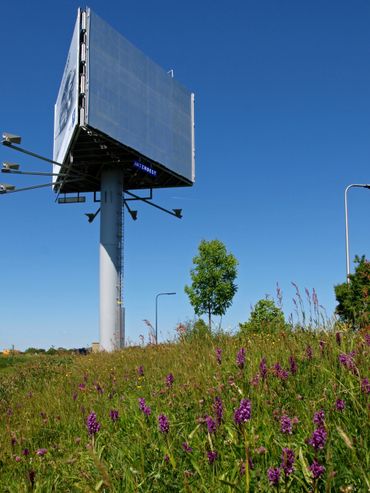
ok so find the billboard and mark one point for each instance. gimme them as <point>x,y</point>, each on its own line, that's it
<point>116,107</point>
<point>66,106</point>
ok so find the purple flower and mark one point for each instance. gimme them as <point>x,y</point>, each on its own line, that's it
<point>288,459</point>
<point>218,409</point>
<point>243,464</point>
<point>219,355</point>
<point>114,415</point>
<point>25,452</point>
<point>143,407</point>
<point>338,338</point>
<point>240,358</point>
<point>187,447</point>
<point>169,380</point>
<point>263,368</point>
<point>41,451</point>
<point>140,371</point>
<point>244,412</point>
<point>316,469</point>
<point>255,380</point>
<point>74,396</point>
<point>322,346</point>
<point>318,438</point>
<point>92,424</point>
<point>212,456</point>
<point>280,372</point>
<point>319,418</point>
<point>340,405</point>
<point>166,458</point>
<point>347,360</point>
<point>367,339</point>
<point>163,423</point>
<point>365,386</point>
<point>309,352</point>
<point>286,425</point>
<point>82,386</point>
<point>273,475</point>
<point>17,458</point>
<point>13,441</point>
<point>211,425</point>
<point>31,477</point>
<point>98,388</point>
<point>293,365</point>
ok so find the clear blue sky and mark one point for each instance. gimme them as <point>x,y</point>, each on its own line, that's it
<point>282,126</point>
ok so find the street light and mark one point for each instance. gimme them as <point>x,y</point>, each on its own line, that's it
<point>156,313</point>
<point>354,185</point>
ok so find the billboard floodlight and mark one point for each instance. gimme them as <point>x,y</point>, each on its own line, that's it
<point>5,187</point>
<point>7,167</point>
<point>11,138</point>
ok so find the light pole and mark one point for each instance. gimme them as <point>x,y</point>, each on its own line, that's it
<point>156,313</point>
<point>354,185</point>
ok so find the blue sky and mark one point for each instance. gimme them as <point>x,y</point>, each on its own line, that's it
<point>282,127</point>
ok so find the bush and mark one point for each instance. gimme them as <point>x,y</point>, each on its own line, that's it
<point>265,317</point>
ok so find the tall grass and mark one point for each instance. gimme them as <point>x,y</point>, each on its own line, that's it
<point>45,444</point>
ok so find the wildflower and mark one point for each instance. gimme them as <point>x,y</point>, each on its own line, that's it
<point>13,441</point>
<point>92,424</point>
<point>140,371</point>
<point>187,447</point>
<point>211,425</point>
<point>273,475</point>
<point>348,361</point>
<point>166,458</point>
<point>288,459</point>
<point>169,380</point>
<point>319,418</point>
<point>280,372</point>
<point>243,464</point>
<point>143,407</point>
<point>309,352</point>
<point>286,425</point>
<point>255,380</point>
<point>261,450</point>
<point>318,438</point>
<point>322,346</point>
<point>17,458</point>
<point>41,451</point>
<point>98,388</point>
<point>163,423</point>
<point>365,386</point>
<point>212,456</point>
<point>240,358</point>
<point>293,365</point>
<point>74,396</point>
<point>316,469</point>
<point>367,339</point>
<point>219,355</point>
<point>340,405</point>
<point>113,415</point>
<point>25,452</point>
<point>218,409</point>
<point>263,368</point>
<point>243,413</point>
<point>82,386</point>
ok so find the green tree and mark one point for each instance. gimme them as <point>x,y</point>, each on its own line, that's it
<point>213,276</point>
<point>354,298</point>
<point>265,317</point>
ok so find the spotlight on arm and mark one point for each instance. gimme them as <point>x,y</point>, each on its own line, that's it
<point>5,187</point>
<point>8,167</point>
<point>178,213</point>
<point>11,139</point>
<point>133,214</point>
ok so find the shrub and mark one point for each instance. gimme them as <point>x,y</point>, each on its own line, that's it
<point>265,317</point>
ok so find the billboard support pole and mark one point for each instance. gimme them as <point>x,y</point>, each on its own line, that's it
<point>111,235</point>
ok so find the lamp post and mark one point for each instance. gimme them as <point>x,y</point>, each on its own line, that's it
<point>354,185</point>
<point>156,313</point>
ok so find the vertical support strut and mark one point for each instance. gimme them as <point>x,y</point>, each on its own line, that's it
<point>111,237</point>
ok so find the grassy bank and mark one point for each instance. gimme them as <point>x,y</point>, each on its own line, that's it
<point>289,413</point>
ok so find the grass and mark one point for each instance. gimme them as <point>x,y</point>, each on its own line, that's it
<point>45,402</point>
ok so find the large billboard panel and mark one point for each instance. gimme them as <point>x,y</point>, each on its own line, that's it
<point>66,106</point>
<point>137,103</point>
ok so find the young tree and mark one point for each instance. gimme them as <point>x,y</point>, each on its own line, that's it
<point>354,298</point>
<point>265,317</point>
<point>213,276</point>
